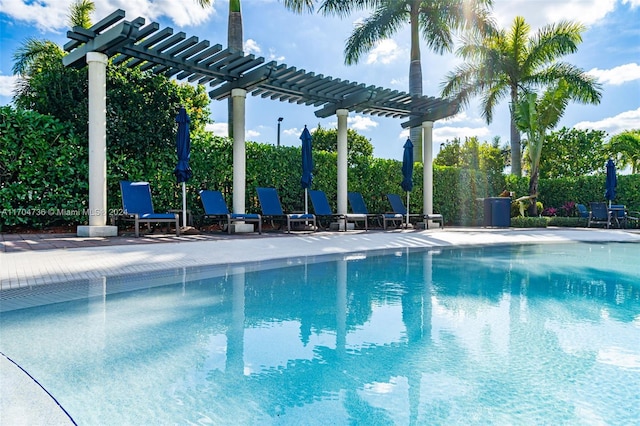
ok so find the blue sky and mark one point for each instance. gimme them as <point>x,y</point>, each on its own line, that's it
<point>610,51</point>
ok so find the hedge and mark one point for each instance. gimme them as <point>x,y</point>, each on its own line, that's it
<point>44,169</point>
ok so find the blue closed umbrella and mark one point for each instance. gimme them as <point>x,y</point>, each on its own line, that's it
<point>307,165</point>
<point>183,146</point>
<point>611,182</point>
<point>407,171</point>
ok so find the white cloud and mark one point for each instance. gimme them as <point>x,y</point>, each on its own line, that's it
<point>540,13</point>
<point>7,85</point>
<point>462,117</point>
<point>274,57</point>
<point>46,16</point>
<point>633,3</point>
<point>53,15</point>
<point>618,75</point>
<point>222,130</point>
<point>251,46</point>
<point>218,129</point>
<point>402,82</point>
<point>385,52</point>
<point>627,120</point>
<point>404,134</point>
<point>361,123</point>
<point>447,133</point>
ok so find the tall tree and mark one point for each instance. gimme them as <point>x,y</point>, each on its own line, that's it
<point>435,20</point>
<point>503,63</point>
<point>536,116</point>
<point>37,61</point>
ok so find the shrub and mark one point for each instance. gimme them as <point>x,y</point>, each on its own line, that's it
<point>528,222</point>
<point>43,169</point>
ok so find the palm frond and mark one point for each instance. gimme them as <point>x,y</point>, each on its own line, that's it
<point>382,24</point>
<point>80,13</point>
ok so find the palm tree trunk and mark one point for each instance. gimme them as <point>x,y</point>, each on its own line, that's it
<point>415,77</point>
<point>533,191</point>
<point>234,41</point>
<point>516,158</point>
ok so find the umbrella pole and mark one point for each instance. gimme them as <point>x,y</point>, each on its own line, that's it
<point>306,201</point>
<point>407,210</point>
<point>184,204</point>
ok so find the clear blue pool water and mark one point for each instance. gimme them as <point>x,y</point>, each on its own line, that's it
<point>533,334</point>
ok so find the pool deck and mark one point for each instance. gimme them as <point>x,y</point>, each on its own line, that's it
<point>28,260</point>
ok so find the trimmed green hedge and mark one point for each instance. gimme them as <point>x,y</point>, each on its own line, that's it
<point>44,169</point>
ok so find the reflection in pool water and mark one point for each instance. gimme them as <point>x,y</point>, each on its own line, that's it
<point>502,335</point>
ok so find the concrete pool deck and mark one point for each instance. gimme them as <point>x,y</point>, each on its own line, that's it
<point>38,260</point>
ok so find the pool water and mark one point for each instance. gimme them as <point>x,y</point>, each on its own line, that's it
<point>531,334</point>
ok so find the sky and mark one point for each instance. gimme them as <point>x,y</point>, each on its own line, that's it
<point>610,51</point>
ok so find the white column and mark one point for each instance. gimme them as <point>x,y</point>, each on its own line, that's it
<point>97,149</point>
<point>239,151</point>
<point>342,160</point>
<point>427,178</point>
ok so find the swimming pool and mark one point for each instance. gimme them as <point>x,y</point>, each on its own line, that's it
<point>513,334</point>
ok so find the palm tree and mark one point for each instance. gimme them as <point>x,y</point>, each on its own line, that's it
<point>80,15</point>
<point>36,56</point>
<point>435,20</point>
<point>535,117</point>
<point>625,147</point>
<point>504,63</point>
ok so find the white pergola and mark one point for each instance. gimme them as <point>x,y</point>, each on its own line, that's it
<point>232,74</point>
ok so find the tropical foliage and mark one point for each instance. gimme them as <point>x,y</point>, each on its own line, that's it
<point>625,149</point>
<point>327,140</point>
<point>572,153</point>
<point>535,117</point>
<point>502,64</point>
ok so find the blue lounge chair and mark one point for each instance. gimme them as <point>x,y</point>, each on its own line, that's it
<point>322,209</point>
<point>582,211</point>
<point>272,209</point>
<point>137,207</point>
<point>399,208</point>
<point>599,214</point>
<point>358,206</point>
<point>216,209</point>
<point>399,211</point>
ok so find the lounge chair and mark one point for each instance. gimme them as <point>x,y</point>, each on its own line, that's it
<point>582,211</point>
<point>358,206</point>
<point>137,207</point>
<point>322,209</point>
<point>272,209</point>
<point>599,215</point>
<point>216,209</point>
<point>399,211</point>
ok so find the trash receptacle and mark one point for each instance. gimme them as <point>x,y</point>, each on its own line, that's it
<point>497,212</point>
<point>486,210</point>
<point>501,212</point>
